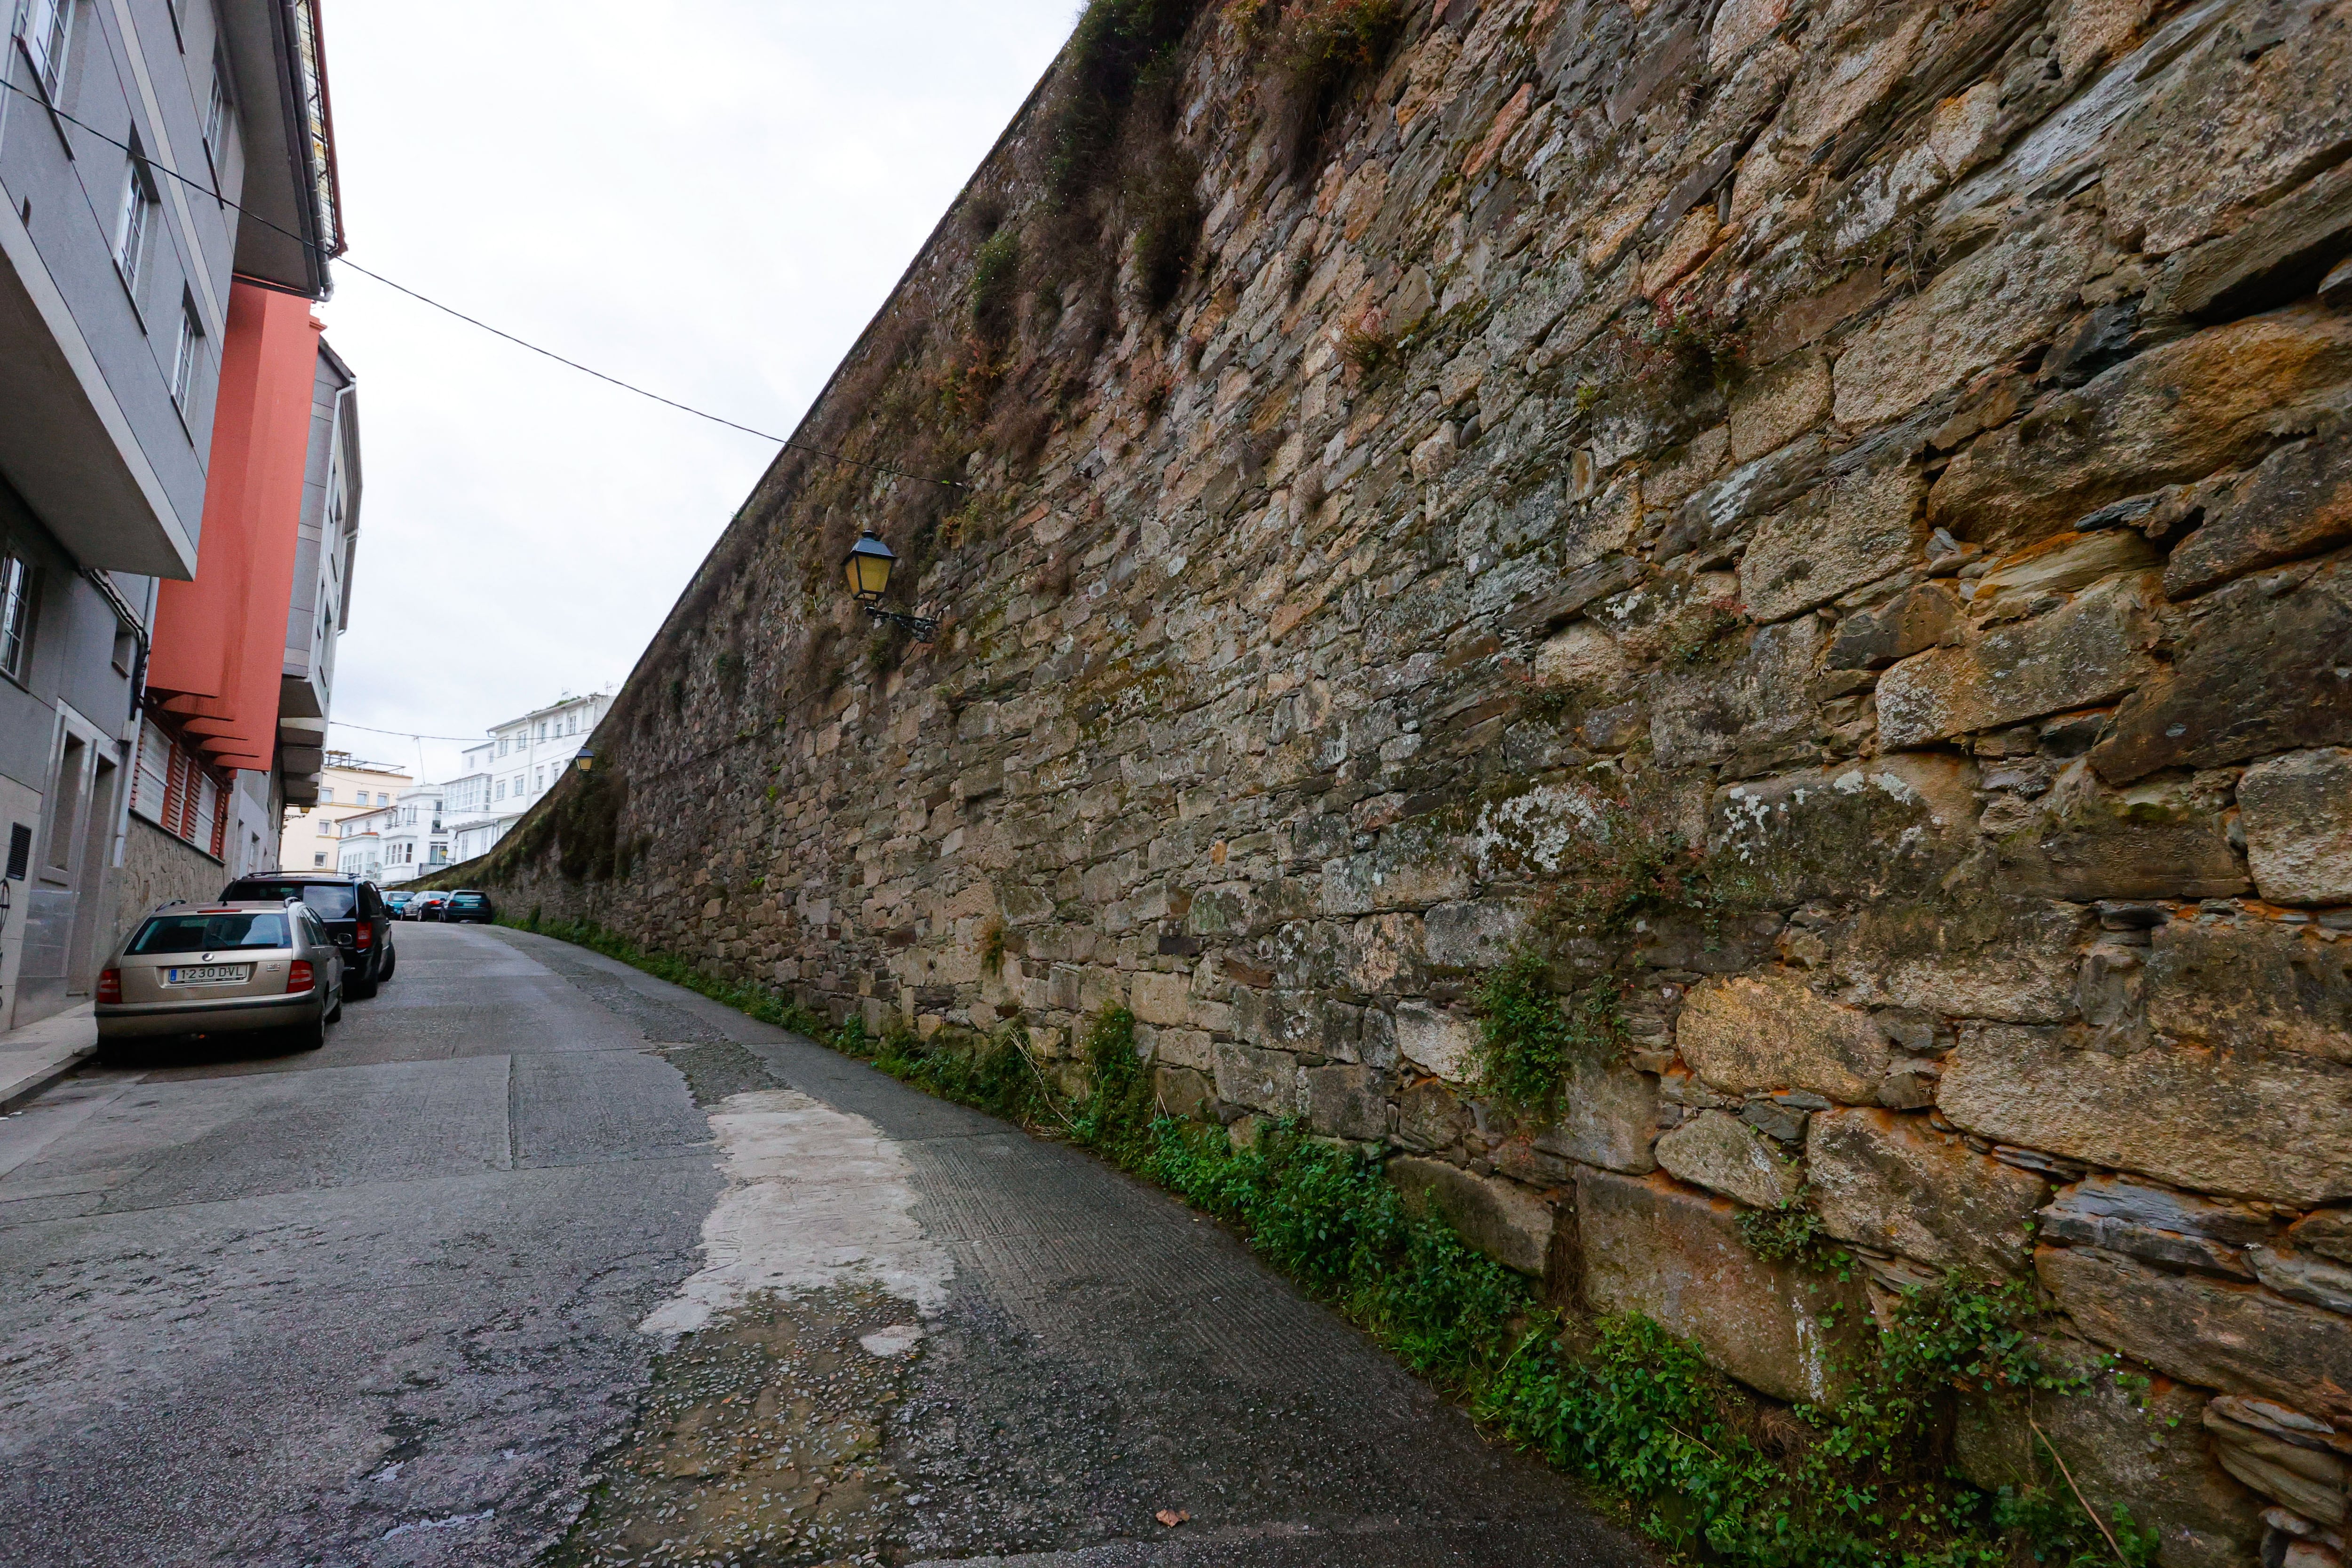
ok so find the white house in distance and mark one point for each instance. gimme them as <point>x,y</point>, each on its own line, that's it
<point>507,773</point>
<point>397,843</point>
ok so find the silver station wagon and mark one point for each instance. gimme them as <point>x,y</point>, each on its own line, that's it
<point>259,969</point>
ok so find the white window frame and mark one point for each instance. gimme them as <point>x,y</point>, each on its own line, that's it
<point>185,355</point>
<point>217,109</point>
<point>45,32</point>
<point>16,607</point>
<point>132,221</point>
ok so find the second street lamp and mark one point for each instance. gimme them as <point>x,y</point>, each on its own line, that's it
<point>866,568</point>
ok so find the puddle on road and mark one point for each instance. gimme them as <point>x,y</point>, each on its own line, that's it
<point>760,1441</point>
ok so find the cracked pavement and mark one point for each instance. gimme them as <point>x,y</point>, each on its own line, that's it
<point>542,1260</point>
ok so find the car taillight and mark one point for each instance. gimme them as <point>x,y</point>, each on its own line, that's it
<point>297,976</point>
<point>110,986</point>
<point>366,936</point>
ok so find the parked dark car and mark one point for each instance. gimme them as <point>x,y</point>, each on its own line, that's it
<point>351,908</point>
<point>397,900</point>
<point>466,905</point>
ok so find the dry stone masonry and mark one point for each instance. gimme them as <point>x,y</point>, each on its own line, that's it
<point>1829,523</point>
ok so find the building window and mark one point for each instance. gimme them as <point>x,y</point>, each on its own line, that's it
<point>320,858</point>
<point>130,224</point>
<point>16,613</point>
<point>328,795</point>
<point>44,28</point>
<point>184,358</point>
<point>538,778</point>
<point>383,799</point>
<point>216,111</point>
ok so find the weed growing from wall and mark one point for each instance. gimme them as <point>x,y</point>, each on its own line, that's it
<point>1323,49</point>
<point>1166,205</point>
<point>1528,1037</point>
<point>1115,43</point>
<point>1711,1472</point>
<point>996,282</point>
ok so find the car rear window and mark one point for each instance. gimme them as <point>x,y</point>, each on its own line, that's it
<point>209,933</point>
<point>471,900</point>
<point>332,901</point>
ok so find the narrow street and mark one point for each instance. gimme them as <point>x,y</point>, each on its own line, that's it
<point>544,1260</point>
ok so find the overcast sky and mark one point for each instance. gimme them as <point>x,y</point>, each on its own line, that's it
<point>710,199</point>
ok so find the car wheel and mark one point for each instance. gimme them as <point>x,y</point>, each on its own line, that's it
<point>360,987</point>
<point>390,962</point>
<point>308,1037</point>
<point>335,1014</point>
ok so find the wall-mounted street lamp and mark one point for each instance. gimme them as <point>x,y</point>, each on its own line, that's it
<point>587,761</point>
<point>867,568</point>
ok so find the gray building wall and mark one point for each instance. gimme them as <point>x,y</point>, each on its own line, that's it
<point>102,470</point>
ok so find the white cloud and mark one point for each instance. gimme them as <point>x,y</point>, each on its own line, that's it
<point>710,199</point>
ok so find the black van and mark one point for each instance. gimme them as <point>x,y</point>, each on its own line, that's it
<point>353,910</point>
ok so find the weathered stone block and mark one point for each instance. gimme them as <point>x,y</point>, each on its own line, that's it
<point>1509,1222</point>
<point>2237,1338</point>
<point>2157,1225</point>
<point>1759,702</point>
<point>1851,530</point>
<point>1608,1117</point>
<point>1580,654</point>
<point>1413,867</point>
<point>2250,986</point>
<point>2091,651</point>
<point>1976,314</point>
<point>1754,1033</point>
<point>1675,1254</point>
<point>2239,1124</point>
<point>1438,1041</point>
<point>2301,1277</point>
<point>2256,673</point>
<point>1893,1184</point>
<point>1892,825</point>
<point>1972,953</point>
<point>1779,406</point>
<point>2282,1454</point>
<point>2150,1460</point>
<point>2298,502</point>
<point>1383,955</point>
<point>1717,1150</point>
<point>1472,935</point>
<point>1260,1080</point>
<point>1912,622</point>
<point>2159,838</point>
<point>1161,998</point>
<point>1346,1103</point>
<point>2297,811</point>
<point>2174,414</point>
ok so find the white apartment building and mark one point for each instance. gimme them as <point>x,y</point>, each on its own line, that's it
<point>397,843</point>
<point>521,761</point>
<point>527,755</point>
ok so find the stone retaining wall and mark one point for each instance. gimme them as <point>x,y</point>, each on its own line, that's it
<point>1830,519</point>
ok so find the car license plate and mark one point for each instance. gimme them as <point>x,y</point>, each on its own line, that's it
<point>207,973</point>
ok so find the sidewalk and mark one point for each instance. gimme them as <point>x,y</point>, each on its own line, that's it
<point>36,1056</point>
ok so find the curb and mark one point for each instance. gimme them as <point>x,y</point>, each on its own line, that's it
<point>13,1095</point>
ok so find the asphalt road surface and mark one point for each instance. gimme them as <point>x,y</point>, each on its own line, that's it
<point>543,1261</point>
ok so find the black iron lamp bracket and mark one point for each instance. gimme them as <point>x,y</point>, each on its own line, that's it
<point>922,627</point>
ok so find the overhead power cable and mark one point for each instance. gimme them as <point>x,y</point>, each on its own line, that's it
<point>199,185</point>
<point>407,734</point>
